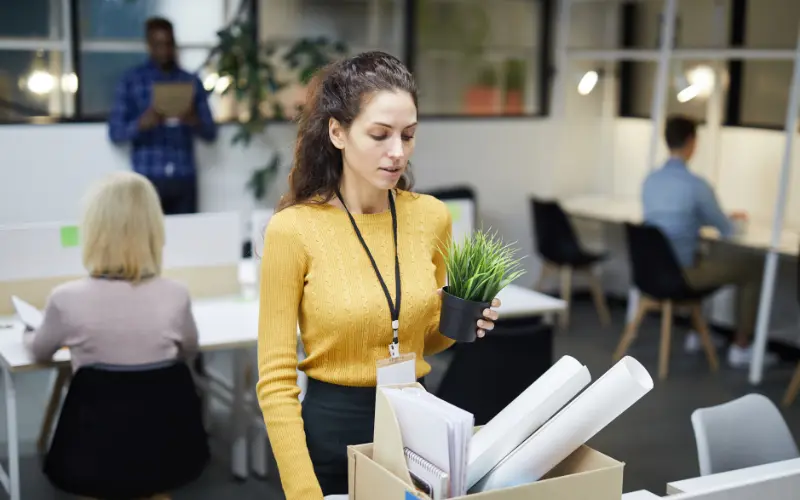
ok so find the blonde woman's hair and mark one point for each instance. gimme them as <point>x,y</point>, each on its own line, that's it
<point>123,228</point>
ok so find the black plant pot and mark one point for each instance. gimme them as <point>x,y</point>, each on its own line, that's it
<point>459,318</point>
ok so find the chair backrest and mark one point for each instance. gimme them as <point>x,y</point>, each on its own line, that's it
<point>128,432</point>
<point>556,240</point>
<point>745,432</point>
<point>655,269</point>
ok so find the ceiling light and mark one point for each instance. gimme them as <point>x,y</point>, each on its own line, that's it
<point>588,82</point>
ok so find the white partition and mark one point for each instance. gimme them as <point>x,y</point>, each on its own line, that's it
<point>780,486</point>
<point>463,214</point>
<point>49,250</point>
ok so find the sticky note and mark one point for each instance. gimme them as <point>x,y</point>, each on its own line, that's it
<point>69,236</point>
<point>455,211</point>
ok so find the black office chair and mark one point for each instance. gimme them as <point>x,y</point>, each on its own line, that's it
<point>128,432</point>
<point>662,286</point>
<point>562,253</point>
<point>794,385</point>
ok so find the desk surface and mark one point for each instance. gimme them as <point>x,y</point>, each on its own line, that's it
<point>619,210</point>
<point>222,323</point>
<point>232,322</point>
<point>735,477</point>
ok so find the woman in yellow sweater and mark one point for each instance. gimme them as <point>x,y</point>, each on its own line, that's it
<point>352,257</point>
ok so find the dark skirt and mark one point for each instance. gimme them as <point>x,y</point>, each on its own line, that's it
<point>334,418</point>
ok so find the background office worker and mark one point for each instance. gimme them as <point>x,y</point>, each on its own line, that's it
<point>680,203</point>
<point>123,313</point>
<point>162,149</point>
<point>356,134</point>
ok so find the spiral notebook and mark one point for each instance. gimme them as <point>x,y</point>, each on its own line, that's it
<point>428,478</point>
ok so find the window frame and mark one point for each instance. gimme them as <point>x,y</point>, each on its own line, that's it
<point>733,102</point>
<point>71,45</point>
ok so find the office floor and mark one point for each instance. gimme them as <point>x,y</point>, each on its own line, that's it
<point>654,438</point>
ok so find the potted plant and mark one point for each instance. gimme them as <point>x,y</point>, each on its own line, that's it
<point>477,269</point>
<point>515,87</point>
<point>483,97</point>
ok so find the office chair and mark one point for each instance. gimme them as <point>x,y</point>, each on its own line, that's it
<point>128,432</point>
<point>559,248</point>
<point>659,278</point>
<point>745,432</point>
<point>794,385</point>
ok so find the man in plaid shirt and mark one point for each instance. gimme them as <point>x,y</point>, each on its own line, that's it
<point>162,148</point>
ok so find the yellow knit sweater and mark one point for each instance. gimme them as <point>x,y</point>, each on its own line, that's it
<point>315,273</point>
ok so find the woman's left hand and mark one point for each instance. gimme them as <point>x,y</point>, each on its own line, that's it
<point>486,323</point>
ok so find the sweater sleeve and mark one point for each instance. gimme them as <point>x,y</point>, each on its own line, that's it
<point>283,271</point>
<point>51,335</point>
<point>435,342</point>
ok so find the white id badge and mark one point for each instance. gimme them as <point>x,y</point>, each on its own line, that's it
<point>399,370</point>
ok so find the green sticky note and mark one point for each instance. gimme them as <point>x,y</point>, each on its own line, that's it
<point>455,211</point>
<point>69,236</point>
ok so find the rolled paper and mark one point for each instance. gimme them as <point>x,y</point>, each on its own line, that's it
<point>605,400</point>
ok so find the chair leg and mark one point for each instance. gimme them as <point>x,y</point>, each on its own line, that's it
<point>666,339</point>
<point>62,378</point>
<point>793,389</point>
<point>631,329</point>
<point>547,270</point>
<point>700,325</point>
<point>566,294</point>
<point>599,298</point>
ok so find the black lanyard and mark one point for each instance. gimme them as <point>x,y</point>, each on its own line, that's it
<point>394,307</point>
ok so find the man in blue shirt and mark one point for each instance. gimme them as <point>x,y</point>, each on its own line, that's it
<point>162,148</point>
<point>680,203</point>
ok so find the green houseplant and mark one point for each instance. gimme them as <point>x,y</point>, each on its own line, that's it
<point>477,269</point>
<point>267,82</point>
<point>515,86</point>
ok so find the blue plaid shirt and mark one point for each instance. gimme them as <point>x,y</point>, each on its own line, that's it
<point>165,150</point>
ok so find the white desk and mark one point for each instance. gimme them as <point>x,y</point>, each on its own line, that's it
<point>735,477</point>
<point>516,302</point>
<point>226,323</point>
<point>640,495</point>
<point>621,210</point>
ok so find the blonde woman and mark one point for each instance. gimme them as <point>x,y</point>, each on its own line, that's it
<point>124,312</point>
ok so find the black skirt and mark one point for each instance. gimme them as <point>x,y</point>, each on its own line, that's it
<point>335,417</point>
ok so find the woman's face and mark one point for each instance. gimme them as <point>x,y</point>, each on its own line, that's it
<point>380,140</point>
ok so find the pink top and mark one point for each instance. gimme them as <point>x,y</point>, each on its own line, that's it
<point>116,322</point>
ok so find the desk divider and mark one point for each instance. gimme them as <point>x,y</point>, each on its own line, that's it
<point>202,251</point>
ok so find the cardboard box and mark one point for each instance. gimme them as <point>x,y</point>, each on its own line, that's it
<point>585,475</point>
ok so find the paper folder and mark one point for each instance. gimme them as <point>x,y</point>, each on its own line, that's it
<point>388,449</point>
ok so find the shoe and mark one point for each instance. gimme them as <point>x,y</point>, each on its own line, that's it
<point>741,357</point>
<point>693,344</point>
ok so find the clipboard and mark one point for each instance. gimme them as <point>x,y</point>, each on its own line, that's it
<point>173,99</point>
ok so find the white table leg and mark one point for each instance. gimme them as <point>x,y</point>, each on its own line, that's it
<point>633,304</point>
<point>13,436</point>
<point>239,447</point>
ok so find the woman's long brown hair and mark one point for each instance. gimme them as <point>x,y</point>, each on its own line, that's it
<point>338,91</point>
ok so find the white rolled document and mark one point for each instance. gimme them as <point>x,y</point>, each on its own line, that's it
<point>529,411</point>
<point>613,393</point>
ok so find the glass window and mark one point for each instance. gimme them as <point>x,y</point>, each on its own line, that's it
<point>100,73</point>
<point>124,20</point>
<point>772,24</point>
<point>698,24</point>
<point>30,19</point>
<point>361,24</point>
<point>32,84</point>
<point>473,62</point>
<point>689,87</point>
<point>765,93</point>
